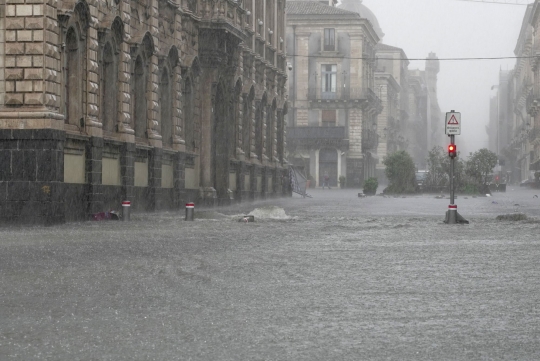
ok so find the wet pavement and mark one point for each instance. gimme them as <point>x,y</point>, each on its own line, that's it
<point>333,277</point>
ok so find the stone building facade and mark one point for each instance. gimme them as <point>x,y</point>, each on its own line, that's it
<point>392,85</point>
<point>512,131</point>
<point>154,101</point>
<point>332,122</point>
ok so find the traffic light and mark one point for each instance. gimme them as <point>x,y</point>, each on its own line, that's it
<point>452,151</point>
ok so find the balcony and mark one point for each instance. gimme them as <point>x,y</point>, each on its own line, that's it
<point>367,96</point>
<point>227,16</point>
<point>370,140</point>
<point>532,103</point>
<point>318,137</point>
<point>319,93</point>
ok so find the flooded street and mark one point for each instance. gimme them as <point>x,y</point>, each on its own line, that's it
<point>333,277</point>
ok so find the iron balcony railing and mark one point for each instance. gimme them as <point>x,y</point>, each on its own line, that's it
<point>339,93</point>
<point>316,133</point>
<point>370,140</point>
<point>318,93</point>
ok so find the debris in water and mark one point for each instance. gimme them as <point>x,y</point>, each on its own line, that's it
<point>512,217</point>
<point>101,216</point>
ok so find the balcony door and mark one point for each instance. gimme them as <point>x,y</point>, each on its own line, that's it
<point>329,81</point>
<point>328,163</point>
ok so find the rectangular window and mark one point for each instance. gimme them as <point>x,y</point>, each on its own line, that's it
<point>328,118</point>
<point>329,78</point>
<point>329,39</point>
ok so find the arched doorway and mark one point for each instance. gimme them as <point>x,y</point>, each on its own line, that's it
<point>328,163</point>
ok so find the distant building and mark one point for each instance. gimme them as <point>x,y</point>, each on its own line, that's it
<point>426,122</point>
<point>392,86</point>
<point>516,145</point>
<point>332,119</point>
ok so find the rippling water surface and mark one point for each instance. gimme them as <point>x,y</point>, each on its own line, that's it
<point>334,277</point>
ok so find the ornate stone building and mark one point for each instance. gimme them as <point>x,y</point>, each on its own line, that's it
<point>153,101</point>
<point>392,85</point>
<point>512,132</point>
<point>332,123</point>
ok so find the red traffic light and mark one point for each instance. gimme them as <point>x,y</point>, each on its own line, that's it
<point>452,151</point>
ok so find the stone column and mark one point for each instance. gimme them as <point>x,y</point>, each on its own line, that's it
<point>152,99</point>
<point>154,179</point>
<point>94,189</point>
<point>207,113</point>
<point>179,174</point>
<point>93,125</point>
<point>127,170</point>
<point>178,116</point>
<point>124,79</point>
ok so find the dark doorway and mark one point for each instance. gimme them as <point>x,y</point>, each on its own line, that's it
<point>328,163</point>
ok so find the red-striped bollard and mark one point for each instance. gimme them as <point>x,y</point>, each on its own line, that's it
<point>125,210</point>
<point>452,214</point>
<point>190,210</point>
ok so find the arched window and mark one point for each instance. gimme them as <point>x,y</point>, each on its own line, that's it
<point>166,108</point>
<point>139,98</point>
<point>109,88</point>
<point>73,78</point>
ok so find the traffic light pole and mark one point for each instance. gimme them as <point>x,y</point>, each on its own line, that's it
<point>453,128</point>
<point>452,141</point>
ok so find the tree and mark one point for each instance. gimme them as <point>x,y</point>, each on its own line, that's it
<point>400,171</point>
<point>439,170</point>
<point>479,167</point>
<point>437,176</point>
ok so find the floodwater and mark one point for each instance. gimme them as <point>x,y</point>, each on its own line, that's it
<point>333,277</point>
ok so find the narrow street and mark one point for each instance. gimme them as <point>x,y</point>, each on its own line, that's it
<point>333,277</point>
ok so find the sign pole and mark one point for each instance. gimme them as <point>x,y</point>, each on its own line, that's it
<point>453,128</point>
<point>452,141</point>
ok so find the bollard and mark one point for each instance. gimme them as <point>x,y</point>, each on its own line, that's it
<point>452,214</point>
<point>190,210</point>
<point>125,210</point>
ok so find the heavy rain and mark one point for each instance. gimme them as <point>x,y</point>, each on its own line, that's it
<point>324,278</point>
<point>269,180</point>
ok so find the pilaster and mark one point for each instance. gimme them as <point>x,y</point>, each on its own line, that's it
<point>94,167</point>
<point>94,126</point>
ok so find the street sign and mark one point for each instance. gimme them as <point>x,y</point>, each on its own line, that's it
<point>452,123</point>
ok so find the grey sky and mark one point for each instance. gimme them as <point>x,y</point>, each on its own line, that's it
<point>452,28</point>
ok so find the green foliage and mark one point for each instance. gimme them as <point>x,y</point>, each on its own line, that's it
<point>439,170</point>
<point>400,171</point>
<point>469,189</point>
<point>370,185</point>
<point>480,165</point>
<point>437,175</point>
